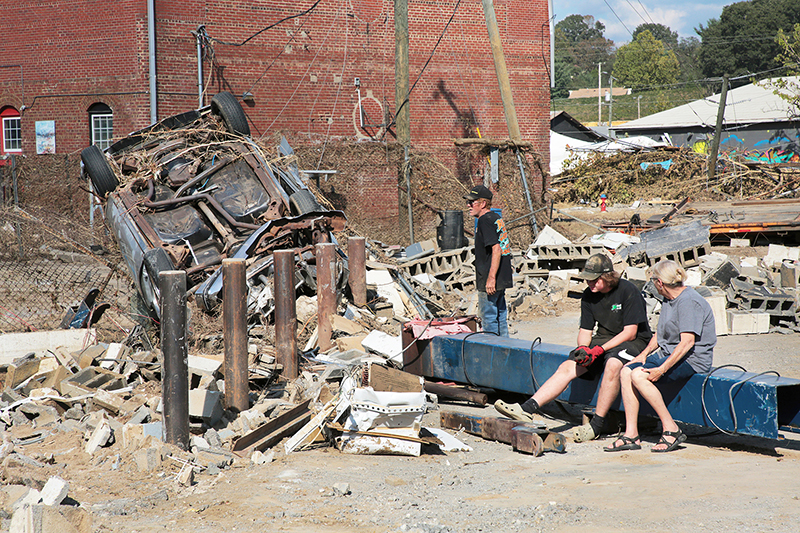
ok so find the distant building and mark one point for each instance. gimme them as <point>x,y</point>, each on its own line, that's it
<point>592,93</point>
<point>757,123</point>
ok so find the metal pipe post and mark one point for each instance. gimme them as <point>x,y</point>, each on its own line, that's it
<point>234,314</point>
<point>175,376</point>
<point>357,258</point>
<point>326,293</point>
<point>285,312</point>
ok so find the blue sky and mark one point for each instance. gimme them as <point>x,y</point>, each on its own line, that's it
<point>679,15</point>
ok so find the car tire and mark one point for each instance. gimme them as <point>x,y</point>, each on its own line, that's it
<point>99,170</point>
<point>230,110</point>
<point>302,202</point>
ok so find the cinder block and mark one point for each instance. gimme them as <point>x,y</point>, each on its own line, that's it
<point>744,323</point>
<point>133,435</point>
<point>205,404</point>
<point>719,306</point>
<point>790,274</point>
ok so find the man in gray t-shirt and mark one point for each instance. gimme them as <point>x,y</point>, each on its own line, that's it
<point>688,313</point>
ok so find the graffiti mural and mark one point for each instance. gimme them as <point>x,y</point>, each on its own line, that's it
<point>778,148</point>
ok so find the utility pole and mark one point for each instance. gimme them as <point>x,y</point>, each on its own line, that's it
<point>505,93</point>
<point>401,96</point>
<point>712,157</point>
<point>599,94</point>
<point>610,100</point>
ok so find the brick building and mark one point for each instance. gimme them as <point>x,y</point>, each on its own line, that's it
<point>78,72</point>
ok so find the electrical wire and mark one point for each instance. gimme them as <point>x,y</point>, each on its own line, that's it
<point>730,395</point>
<point>463,358</point>
<point>425,66</point>
<point>259,32</point>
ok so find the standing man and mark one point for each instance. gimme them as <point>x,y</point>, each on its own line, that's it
<point>616,307</point>
<point>492,261</point>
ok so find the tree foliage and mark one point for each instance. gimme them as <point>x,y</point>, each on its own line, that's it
<point>659,32</point>
<point>579,47</point>
<point>789,57</point>
<point>645,62</point>
<point>743,40</point>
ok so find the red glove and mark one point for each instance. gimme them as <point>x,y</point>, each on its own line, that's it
<point>585,356</point>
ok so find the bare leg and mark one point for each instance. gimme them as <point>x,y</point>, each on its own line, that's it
<point>555,385</point>
<point>652,395</point>
<point>609,386</point>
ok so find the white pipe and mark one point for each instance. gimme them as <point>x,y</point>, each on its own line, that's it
<point>151,44</point>
<point>552,45</point>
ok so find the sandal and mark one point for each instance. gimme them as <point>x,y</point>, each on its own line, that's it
<point>679,437</point>
<point>628,443</point>
<point>513,411</point>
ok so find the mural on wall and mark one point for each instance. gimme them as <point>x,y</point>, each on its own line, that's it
<point>779,148</point>
<point>45,136</point>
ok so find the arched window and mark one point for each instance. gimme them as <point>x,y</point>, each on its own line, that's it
<point>101,121</point>
<point>12,130</point>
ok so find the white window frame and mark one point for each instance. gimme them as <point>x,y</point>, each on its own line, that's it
<point>107,128</point>
<point>6,141</point>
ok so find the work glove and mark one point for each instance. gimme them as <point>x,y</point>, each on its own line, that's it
<point>585,356</point>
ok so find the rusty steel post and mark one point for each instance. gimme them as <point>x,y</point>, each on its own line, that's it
<point>175,376</point>
<point>357,258</point>
<point>326,293</point>
<point>234,314</point>
<point>285,312</point>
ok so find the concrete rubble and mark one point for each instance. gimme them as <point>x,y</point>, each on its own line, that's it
<point>354,397</point>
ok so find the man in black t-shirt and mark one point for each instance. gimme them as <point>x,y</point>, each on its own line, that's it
<point>618,310</point>
<point>492,261</point>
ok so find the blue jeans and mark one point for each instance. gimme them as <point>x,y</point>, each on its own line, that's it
<point>680,372</point>
<point>493,312</point>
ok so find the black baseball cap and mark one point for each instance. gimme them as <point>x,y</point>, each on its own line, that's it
<point>595,266</point>
<point>479,191</point>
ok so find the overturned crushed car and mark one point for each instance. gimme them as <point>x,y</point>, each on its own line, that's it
<point>195,189</point>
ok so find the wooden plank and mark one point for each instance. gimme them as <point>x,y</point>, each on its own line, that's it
<point>274,430</point>
<point>386,379</point>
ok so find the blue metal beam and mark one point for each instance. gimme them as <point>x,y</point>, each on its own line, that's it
<point>762,404</point>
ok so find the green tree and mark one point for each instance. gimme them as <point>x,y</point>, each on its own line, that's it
<point>743,40</point>
<point>660,33</point>
<point>789,57</point>
<point>579,46</point>
<point>688,53</point>
<point>645,62</point>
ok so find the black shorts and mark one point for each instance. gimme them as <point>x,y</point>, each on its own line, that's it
<point>625,352</point>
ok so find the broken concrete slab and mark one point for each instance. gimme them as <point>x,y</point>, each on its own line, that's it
<point>100,437</point>
<point>51,519</point>
<point>14,345</point>
<point>54,491</point>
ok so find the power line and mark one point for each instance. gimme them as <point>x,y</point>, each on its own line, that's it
<point>259,32</point>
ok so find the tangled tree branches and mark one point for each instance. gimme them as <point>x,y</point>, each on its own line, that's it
<point>671,175</point>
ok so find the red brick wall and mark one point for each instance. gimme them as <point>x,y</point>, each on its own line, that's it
<point>301,72</point>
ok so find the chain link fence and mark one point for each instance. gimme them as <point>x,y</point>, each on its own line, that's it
<point>52,257</point>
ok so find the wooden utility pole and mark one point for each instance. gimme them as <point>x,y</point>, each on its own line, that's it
<point>505,93</point>
<point>712,157</point>
<point>401,96</point>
